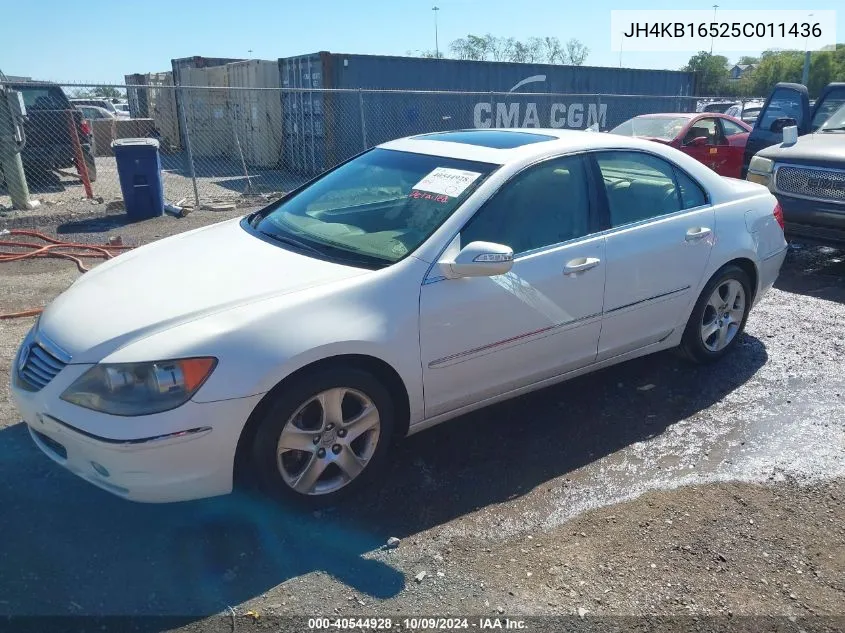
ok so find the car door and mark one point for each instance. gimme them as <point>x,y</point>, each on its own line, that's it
<point>660,231</point>
<point>706,154</point>
<point>484,336</point>
<point>786,101</point>
<point>731,152</point>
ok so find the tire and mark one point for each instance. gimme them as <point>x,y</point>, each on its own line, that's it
<point>289,473</point>
<point>702,343</point>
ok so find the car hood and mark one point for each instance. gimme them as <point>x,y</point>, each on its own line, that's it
<point>175,280</point>
<point>823,148</point>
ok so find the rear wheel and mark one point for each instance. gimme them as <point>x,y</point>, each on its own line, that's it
<point>324,436</point>
<point>719,316</point>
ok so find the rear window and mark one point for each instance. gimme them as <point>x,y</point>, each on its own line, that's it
<point>653,127</point>
<point>44,98</point>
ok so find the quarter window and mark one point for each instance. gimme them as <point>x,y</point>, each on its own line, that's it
<point>639,186</point>
<point>692,195</point>
<point>731,128</point>
<point>542,206</point>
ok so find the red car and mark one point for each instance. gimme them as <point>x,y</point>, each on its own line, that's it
<point>717,140</point>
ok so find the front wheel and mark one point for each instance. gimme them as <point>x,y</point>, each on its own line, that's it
<point>324,436</point>
<point>719,316</point>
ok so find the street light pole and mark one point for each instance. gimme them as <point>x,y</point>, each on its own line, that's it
<point>712,38</point>
<point>805,75</point>
<point>436,40</point>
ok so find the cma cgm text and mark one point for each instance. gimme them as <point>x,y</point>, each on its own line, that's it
<point>574,115</point>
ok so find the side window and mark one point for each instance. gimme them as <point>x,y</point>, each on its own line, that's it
<point>731,128</point>
<point>692,195</point>
<point>833,100</point>
<point>703,127</point>
<point>785,103</point>
<point>544,205</point>
<point>639,186</point>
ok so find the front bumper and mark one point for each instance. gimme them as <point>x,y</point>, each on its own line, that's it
<point>183,454</point>
<point>813,219</point>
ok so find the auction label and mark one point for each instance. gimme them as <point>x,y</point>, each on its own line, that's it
<point>722,31</point>
<point>447,181</point>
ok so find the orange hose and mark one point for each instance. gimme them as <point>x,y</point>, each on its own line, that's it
<point>53,248</point>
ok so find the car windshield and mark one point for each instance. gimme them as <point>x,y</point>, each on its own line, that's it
<point>836,122</point>
<point>833,102</point>
<point>376,208</point>
<point>43,98</point>
<point>653,127</point>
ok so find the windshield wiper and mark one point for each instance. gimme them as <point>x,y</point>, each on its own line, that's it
<point>838,128</point>
<point>292,242</point>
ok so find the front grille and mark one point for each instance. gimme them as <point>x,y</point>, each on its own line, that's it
<point>820,184</point>
<point>37,366</point>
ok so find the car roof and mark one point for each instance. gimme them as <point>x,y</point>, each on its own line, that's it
<point>674,115</point>
<point>556,141</point>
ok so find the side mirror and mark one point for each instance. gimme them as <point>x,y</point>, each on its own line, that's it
<point>698,141</point>
<point>480,259</point>
<point>778,124</point>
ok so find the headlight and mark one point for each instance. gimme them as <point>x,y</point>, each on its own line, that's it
<point>762,165</point>
<point>139,388</point>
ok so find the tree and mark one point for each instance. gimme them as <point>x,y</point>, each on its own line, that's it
<point>746,60</point>
<point>576,53</point>
<point>712,72</point>
<point>98,92</point>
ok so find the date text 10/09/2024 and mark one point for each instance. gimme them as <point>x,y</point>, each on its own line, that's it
<point>722,29</point>
<point>415,624</point>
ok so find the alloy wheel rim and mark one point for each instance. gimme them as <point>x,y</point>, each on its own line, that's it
<point>328,441</point>
<point>723,315</point>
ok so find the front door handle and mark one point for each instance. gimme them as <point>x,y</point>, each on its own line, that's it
<point>580,265</point>
<point>697,233</point>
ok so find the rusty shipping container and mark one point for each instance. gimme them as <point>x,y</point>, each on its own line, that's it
<point>255,107</point>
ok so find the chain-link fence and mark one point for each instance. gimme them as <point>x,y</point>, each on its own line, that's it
<point>242,145</point>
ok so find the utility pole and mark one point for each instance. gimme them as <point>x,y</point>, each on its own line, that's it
<point>436,39</point>
<point>715,6</point>
<point>805,76</point>
<point>621,42</point>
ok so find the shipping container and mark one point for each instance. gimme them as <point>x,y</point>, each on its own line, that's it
<point>256,111</point>
<point>157,102</point>
<point>205,100</point>
<point>179,67</point>
<point>324,128</point>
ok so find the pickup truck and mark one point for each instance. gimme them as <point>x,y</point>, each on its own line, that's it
<point>807,176</point>
<point>789,105</point>
<point>49,144</point>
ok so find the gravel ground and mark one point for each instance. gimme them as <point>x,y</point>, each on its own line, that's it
<point>653,488</point>
<point>62,195</point>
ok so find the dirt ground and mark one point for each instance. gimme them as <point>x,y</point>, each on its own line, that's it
<point>650,494</point>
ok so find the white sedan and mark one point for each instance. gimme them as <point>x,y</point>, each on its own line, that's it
<point>423,279</point>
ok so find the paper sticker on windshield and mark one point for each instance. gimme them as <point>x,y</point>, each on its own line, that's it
<point>446,181</point>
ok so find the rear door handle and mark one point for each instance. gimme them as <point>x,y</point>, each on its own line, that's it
<point>580,265</point>
<point>697,233</point>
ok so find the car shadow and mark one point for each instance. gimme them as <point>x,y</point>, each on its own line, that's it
<point>69,548</point>
<point>814,270</point>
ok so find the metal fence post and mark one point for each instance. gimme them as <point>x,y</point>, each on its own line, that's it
<point>183,121</point>
<point>492,109</point>
<point>363,118</point>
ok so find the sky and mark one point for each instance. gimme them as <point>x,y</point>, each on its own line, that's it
<point>103,40</point>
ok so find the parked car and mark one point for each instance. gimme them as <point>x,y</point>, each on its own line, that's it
<point>747,111</point>
<point>94,113</point>
<point>715,140</point>
<point>49,144</point>
<point>716,106</point>
<point>106,104</point>
<point>423,279</point>
<point>789,105</point>
<point>122,109</point>
<point>808,179</point>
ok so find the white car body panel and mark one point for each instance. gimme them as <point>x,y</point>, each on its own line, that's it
<point>456,344</point>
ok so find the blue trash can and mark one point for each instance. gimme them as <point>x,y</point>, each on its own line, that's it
<point>139,169</point>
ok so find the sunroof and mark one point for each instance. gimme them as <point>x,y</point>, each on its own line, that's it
<point>495,139</point>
